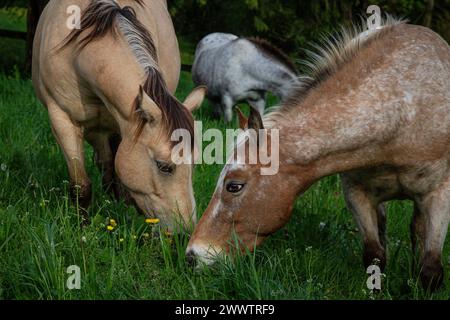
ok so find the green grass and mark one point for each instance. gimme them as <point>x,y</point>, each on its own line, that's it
<point>40,237</point>
<point>316,256</point>
<point>187,51</point>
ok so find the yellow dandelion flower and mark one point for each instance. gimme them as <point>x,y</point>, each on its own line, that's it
<point>113,222</point>
<point>110,228</point>
<point>152,221</point>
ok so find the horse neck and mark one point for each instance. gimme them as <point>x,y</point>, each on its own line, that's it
<point>275,77</point>
<point>115,79</point>
<point>342,122</point>
<point>284,85</point>
<point>331,132</point>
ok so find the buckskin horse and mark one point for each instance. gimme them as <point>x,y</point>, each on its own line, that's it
<point>112,82</point>
<point>376,109</point>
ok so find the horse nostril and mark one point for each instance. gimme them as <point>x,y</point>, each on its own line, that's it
<point>190,257</point>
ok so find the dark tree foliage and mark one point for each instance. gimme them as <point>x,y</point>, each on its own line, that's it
<point>15,3</point>
<point>292,24</point>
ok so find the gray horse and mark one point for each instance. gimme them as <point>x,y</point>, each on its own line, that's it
<point>241,69</point>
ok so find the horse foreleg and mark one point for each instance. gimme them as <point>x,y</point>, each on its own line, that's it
<point>369,217</point>
<point>104,158</point>
<point>70,138</point>
<point>259,104</point>
<point>435,208</point>
<point>119,190</point>
<point>227,105</point>
<point>381,220</point>
<point>105,147</point>
<point>217,110</point>
<point>418,225</point>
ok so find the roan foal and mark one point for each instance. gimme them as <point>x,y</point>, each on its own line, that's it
<point>377,110</point>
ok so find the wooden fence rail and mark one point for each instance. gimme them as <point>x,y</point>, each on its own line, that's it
<point>13,34</point>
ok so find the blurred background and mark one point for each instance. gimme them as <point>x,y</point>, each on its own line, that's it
<point>289,24</point>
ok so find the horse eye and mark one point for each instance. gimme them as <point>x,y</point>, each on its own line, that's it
<point>164,167</point>
<point>235,187</point>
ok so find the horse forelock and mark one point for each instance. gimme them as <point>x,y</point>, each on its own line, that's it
<point>174,114</point>
<point>106,16</point>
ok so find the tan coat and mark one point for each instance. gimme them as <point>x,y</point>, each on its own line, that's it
<point>91,93</point>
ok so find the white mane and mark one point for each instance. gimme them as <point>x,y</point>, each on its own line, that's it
<point>326,59</point>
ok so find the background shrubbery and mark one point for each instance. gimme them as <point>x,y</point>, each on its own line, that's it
<point>290,24</point>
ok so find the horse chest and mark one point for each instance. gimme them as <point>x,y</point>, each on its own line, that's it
<point>98,118</point>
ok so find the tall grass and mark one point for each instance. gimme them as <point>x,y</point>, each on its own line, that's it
<point>316,256</point>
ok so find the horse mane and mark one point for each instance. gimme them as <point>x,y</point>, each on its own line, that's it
<point>106,16</point>
<point>328,57</point>
<point>273,51</point>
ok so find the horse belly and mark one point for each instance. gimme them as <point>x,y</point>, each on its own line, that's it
<point>389,182</point>
<point>381,183</point>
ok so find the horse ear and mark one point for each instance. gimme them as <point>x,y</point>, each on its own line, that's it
<point>254,120</point>
<point>243,120</point>
<point>147,108</point>
<point>195,98</point>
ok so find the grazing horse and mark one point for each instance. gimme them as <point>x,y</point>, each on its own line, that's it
<point>111,82</point>
<point>377,110</point>
<point>241,69</point>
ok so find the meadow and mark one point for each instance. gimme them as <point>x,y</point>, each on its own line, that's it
<point>318,255</point>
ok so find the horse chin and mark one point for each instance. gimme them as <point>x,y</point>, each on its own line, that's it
<point>145,206</point>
